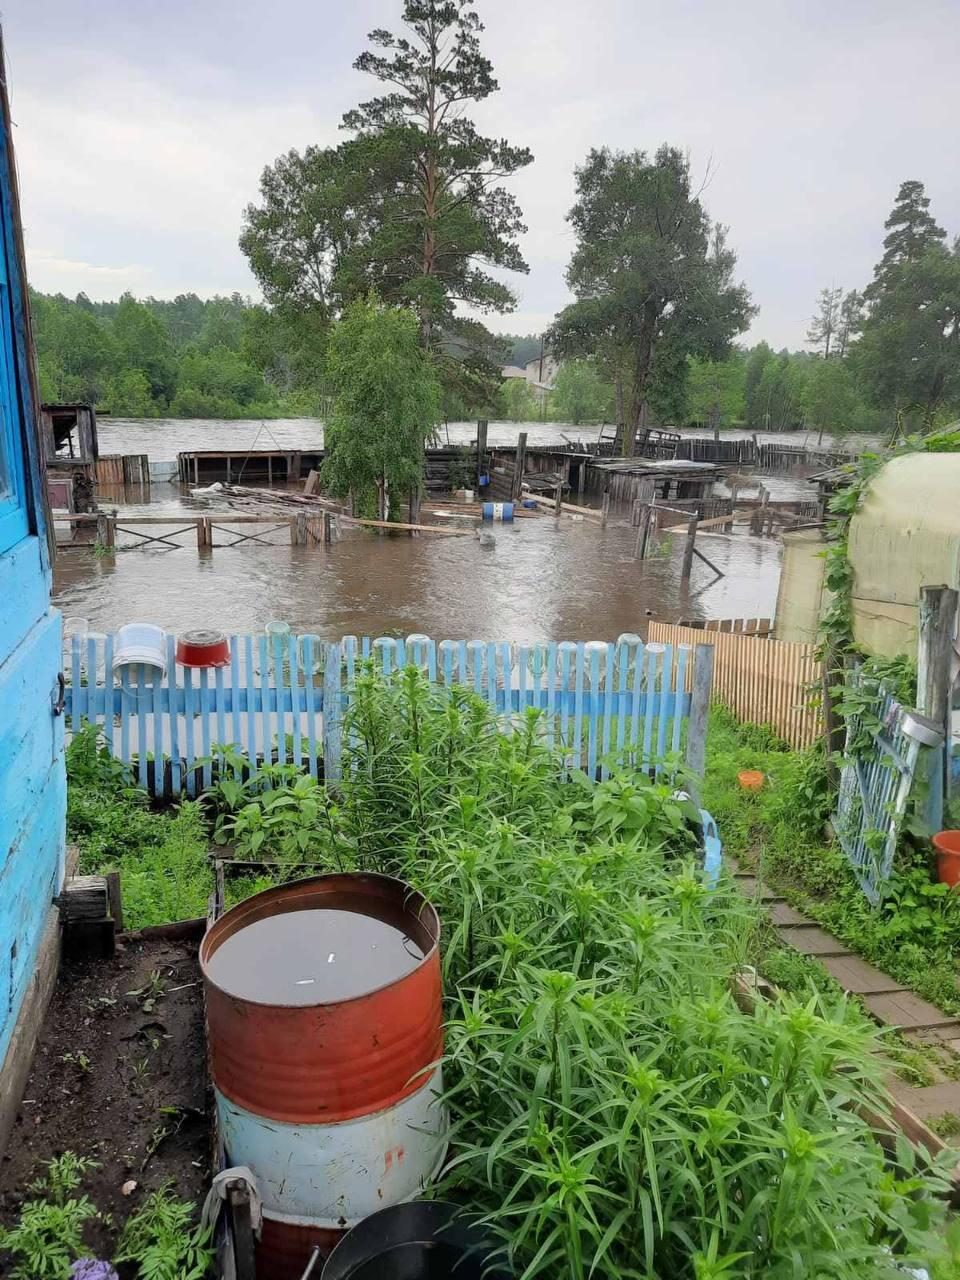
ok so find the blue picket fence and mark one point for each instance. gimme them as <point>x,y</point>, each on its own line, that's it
<point>283,698</point>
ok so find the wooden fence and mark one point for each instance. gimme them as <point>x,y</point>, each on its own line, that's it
<point>760,680</point>
<point>123,468</point>
<point>282,698</point>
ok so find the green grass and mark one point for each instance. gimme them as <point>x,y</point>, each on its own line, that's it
<point>161,856</point>
<point>914,935</point>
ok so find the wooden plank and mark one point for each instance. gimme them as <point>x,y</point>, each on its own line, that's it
<point>400,525</point>
<point>703,659</point>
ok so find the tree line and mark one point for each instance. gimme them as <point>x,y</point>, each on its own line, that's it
<point>190,357</point>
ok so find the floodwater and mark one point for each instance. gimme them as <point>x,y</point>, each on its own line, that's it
<point>163,438</point>
<point>543,579</point>
<point>312,957</point>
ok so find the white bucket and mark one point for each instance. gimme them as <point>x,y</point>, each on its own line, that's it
<point>141,649</point>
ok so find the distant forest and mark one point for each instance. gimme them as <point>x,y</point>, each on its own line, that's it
<point>221,357</point>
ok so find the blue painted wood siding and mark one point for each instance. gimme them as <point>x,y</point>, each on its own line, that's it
<point>32,779</point>
<point>285,697</point>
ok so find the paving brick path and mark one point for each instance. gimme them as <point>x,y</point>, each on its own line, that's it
<point>889,1001</point>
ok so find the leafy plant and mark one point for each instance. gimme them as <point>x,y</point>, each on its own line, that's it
<point>161,1240</point>
<point>49,1234</point>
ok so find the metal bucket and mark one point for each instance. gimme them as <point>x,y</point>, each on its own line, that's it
<point>333,1104</point>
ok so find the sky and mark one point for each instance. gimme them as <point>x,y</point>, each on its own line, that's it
<point>141,129</point>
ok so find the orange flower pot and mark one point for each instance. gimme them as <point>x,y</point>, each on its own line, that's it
<point>947,845</point>
<point>750,779</point>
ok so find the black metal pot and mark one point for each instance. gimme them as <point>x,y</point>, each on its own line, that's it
<point>420,1240</point>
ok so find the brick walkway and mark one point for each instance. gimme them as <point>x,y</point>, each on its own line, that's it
<point>889,1001</point>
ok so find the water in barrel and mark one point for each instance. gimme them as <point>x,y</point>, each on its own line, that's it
<point>315,956</point>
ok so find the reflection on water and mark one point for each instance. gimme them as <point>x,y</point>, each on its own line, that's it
<point>542,580</point>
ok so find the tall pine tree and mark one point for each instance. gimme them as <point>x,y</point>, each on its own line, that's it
<point>908,355</point>
<point>449,216</point>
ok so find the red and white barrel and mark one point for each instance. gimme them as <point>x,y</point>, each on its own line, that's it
<point>333,1105</point>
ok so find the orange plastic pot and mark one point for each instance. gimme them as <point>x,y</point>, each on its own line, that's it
<point>947,845</point>
<point>750,779</point>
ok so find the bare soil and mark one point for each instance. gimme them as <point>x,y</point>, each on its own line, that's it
<point>119,1075</point>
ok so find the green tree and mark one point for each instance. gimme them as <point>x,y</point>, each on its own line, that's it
<point>300,238</point>
<point>908,355</point>
<point>580,394</point>
<point>757,360</point>
<point>829,397</point>
<point>824,325</point>
<point>911,232</point>
<point>449,218</point>
<point>518,400</point>
<point>715,391</point>
<point>850,321</point>
<point>386,406</point>
<point>144,343</point>
<point>653,278</point>
<point>127,395</point>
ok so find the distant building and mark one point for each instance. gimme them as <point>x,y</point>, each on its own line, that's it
<point>513,371</point>
<point>541,372</point>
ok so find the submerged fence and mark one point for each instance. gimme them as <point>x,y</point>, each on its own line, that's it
<point>761,680</point>
<point>283,698</point>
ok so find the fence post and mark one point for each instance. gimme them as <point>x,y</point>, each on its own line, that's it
<point>107,530</point>
<point>332,718</point>
<point>688,548</point>
<point>834,730</point>
<point>605,508</point>
<point>558,500</point>
<point>703,656</point>
<point>518,466</point>
<point>481,451</point>
<point>938,611</point>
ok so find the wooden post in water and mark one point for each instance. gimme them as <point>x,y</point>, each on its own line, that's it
<point>938,612</point>
<point>106,530</point>
<point>414,510</point>
<point>581,478</point>
<point>558,500</point>
<point>204,533</point>
<point>518,466</point>
<point>481,451</point>
<point>298,529</point>
<point>605,508</point>
<point>734,494</point>
<point>688,549</point>
<point>327,528</point>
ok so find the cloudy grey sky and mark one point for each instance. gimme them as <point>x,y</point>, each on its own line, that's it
<point>142,127</point>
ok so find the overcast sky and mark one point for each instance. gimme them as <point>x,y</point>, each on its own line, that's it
<point>142,127</point>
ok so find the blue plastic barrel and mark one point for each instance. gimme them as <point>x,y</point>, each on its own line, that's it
<point>497,511</point>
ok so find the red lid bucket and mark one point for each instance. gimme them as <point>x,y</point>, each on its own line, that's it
<point>203,649</point>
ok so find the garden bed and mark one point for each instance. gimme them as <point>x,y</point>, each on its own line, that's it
<point>119,1077</point>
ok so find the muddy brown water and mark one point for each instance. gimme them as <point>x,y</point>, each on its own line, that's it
<point>313,956</point>
<point>541,580</point>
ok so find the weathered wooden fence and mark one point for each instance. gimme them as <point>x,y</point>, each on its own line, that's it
<point>761,680</point>
<point>283,697</point>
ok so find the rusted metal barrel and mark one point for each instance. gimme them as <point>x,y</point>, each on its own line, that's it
<point>324,1025</point>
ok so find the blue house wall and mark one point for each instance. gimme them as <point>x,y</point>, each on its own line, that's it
<point>32,777</point>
